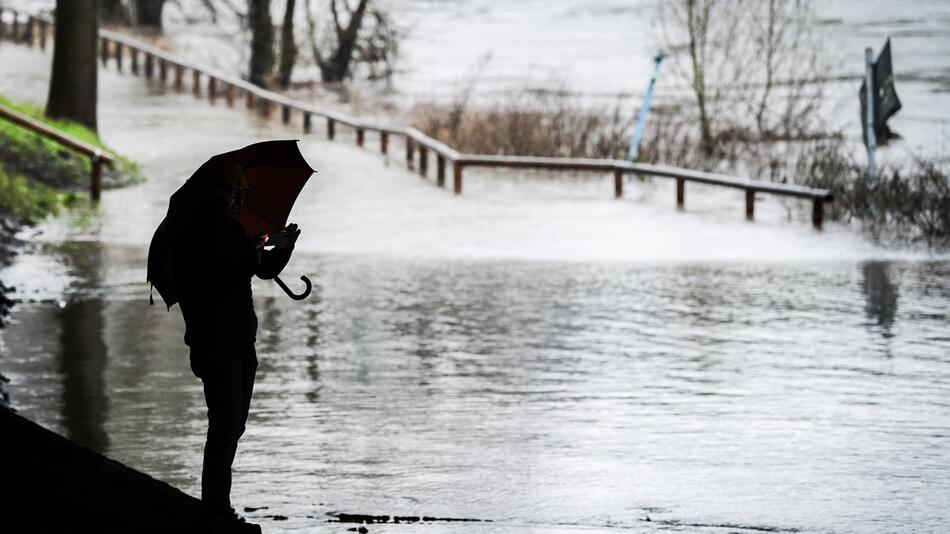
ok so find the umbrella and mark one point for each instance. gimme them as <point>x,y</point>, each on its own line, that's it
<point>276,173</point>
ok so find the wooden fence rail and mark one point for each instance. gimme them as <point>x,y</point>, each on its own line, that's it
<point>418,145</point>
<point>96,155</point>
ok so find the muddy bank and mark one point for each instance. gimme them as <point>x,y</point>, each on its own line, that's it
<point>54,485</point>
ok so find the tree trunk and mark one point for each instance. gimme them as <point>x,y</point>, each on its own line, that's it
<point>114,12</point>
<point>262,41</point>
<point>149,13</point>
<point>337,67</point>
<point>73,84</point>
<point>288,48</point>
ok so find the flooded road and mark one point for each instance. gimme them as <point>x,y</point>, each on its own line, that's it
<point>533,354</point>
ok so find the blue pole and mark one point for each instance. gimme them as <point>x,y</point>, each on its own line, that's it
<point>645,110</point>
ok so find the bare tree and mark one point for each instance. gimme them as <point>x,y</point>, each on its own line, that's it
<point>149,13</point>
<point>262,41</point>
<point>288,47</point>
<point>751,67</point>
<point>335,66</point>
<point>115,12</point>
<point>74,83</point>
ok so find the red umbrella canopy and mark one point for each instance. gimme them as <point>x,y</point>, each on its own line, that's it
<point>276,172</point>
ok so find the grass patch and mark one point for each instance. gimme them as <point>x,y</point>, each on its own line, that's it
<point>24,153</point>
<point>33,202</point>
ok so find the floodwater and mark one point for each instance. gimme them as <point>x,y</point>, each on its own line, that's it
<point>532,354</point>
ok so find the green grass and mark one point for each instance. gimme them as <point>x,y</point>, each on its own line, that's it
<point>30,201</point>
<point>39,177</point>
<point>44,160</point>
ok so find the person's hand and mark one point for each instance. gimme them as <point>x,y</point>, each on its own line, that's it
<point>258,242</point>
<point>292,234</point>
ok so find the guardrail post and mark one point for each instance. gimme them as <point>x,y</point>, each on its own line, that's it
<point>118,56</point>
<point>285,114</point>
<point>249,99</point>
<point>134,52</point>
<point>359,137</point>
<point>229,95</point>
<point>163,70</point>
<point>149,65</point>
<point>440,170</point>
<point>749,204</point>
<point>331,129</point>
<point>384,142</point>
<point>179,78</point>
<point>410,152</point>
<point>307,122</point>
<point>15,37</point>
<point>95,181</point>
<point>196,82</point>
<point>423,160</point>
<point>212,89</point>
<point>265,107</point>
<point>618,183</point>
<point>30,30</point>
<point>44,28</point>
<point>680,193</point>
<point>457,182</point>
<point>103,50</point>
<point>817,212</point>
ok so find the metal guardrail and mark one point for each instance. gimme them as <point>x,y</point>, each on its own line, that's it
<point>97,157</point>
<point>115,46</point>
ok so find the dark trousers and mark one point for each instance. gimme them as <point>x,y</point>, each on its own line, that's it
<point>228,378</point>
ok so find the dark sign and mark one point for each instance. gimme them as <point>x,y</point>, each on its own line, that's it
<point>886,103</point>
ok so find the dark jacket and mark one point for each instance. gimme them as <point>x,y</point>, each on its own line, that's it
<point>214,261</point>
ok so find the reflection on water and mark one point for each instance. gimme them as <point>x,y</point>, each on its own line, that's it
<point>83,354</point>
<point>554,396</point>
<point>881,295</point>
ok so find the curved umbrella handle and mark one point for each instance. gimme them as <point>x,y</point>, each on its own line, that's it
<point>290,293</point>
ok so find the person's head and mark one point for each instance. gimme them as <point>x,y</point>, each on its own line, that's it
<point>230,190</point>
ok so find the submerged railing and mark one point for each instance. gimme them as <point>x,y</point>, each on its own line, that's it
<point>31,29</point>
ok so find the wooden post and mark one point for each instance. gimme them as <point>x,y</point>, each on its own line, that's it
<point>30,30</point>
<point>95,182</point>
<point>249,99</point>
<point>44,29</point>
<point>360,137</point>
<point>410,152</point>
<point>680,193</point>
<point>618,183</point>
<point>384,142</point>
<point>331,128</point>
<point>749,204</point>
<point>457,182</point>
<point>134,52</point>
<point>285,114</point>
<point>440,170</point>
<point>179,77</point>
<point>16,27</point>
<point>118,56</point>
<point>264,106</point>
<point>196,82</point>
<point>162,70</point>
<point>149,65</point>
<point>229,95</point>
<point>212,89</point>
<point>306,122</point>
<point>817,213</point>
<point>103,50</point>
<point>423,160</point>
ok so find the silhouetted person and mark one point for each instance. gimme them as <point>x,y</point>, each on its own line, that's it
<point>214,262</point>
